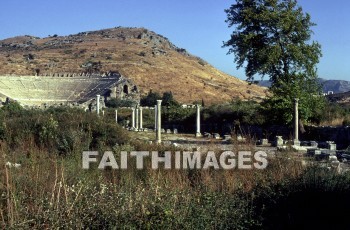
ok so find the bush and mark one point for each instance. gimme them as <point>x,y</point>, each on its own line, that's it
<point>332,114</point>
<point>317,199</point>
<point>12,108</point>
<point>117,103</point>
<point>150,99</point>
<point>61,130</point>
<point>239,112</point>
<point>168,99</point>
<point>346,121</point>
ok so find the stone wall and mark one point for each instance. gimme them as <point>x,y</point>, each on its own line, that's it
<point>81,74</point>
<point>63,88</point>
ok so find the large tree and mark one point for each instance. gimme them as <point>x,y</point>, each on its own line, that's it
<point>272,38</point>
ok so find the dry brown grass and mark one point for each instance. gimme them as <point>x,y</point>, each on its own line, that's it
<point>49,191</point>
<point>188,77</point>
<point>334,122</point>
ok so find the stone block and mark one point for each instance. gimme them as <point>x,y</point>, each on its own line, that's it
<point>332,146</point>
<point>335,164</point>
<point>333,158</point>
<point>296,143</point>
<point>216,135</point>
<point>207,135</point>
<point>278,141</point>
<point>314,144</point>
<point>264,141</point>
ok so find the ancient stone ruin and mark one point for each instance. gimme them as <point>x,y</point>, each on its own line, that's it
<point>56,89</point>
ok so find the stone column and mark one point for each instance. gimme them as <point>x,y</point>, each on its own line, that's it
<point>133,118</point>
<point>296,122</point>
<point>198,123</point>
<point>155,118</point>
<point>159,122</point>
<point>98,104</point>
<point>116,116</point>
<point>141,121</point>
<point>137,118</point>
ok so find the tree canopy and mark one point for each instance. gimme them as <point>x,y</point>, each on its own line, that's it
<point>272,38</point>
<point>151,99</point>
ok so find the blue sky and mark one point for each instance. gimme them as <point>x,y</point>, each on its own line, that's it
<point>196,25</point>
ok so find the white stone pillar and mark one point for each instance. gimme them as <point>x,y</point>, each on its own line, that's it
<point>159,122</point>
<point>98,104</point>
<point>133,118</point>
<point>155,118</point>
<point>137,118</point>
<point>141,119</point>
<point>116,116</point>
<point>296,122</point>
<point>198,121</point>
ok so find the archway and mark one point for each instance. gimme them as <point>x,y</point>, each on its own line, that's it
<point>126,89</point>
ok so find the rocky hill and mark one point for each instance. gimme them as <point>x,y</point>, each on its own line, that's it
<point>335,86</point>
<point>147,58</point>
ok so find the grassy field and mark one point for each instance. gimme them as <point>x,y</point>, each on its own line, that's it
<point>51,190</point>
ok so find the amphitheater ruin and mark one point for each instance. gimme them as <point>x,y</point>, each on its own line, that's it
<point>66,89</point>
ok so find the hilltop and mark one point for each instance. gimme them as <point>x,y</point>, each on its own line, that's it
<point>147,58</point>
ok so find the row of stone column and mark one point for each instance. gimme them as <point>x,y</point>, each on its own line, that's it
<point>138,122</point>
<point>157,123</point>
<point>136,118</point>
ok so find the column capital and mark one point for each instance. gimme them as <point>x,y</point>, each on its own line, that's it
<point>296,99</point>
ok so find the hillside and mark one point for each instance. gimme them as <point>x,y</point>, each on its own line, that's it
<point>147,58</point>
<point>341,98</point>
<point>336,86</point>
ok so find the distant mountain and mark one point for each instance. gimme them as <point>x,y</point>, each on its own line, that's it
<point>336,86</point>
<point>264,83</point>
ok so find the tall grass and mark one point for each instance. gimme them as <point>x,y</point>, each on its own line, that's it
<point>51,190</point>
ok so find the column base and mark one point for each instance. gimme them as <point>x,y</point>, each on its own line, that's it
<point>296,142</point>
<point>198,135</point>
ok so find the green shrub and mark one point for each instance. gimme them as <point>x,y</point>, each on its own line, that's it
<point>318,199</point>
<point>61,130</point>
<point>150,99</point>
<point>346,121</point>
<point>116,103</point>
